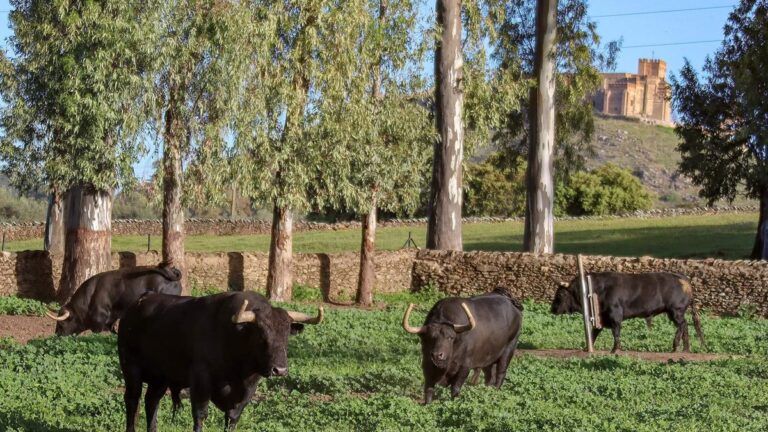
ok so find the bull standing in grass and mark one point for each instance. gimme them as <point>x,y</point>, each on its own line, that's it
<point>460,335</point>
<point>623,296</point>
<point>218,346</point>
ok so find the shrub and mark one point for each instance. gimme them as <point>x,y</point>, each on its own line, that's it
<point>12,305</point>
<point>492,188</point>
<point>603,191</point>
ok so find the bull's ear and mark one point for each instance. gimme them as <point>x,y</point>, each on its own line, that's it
<point>296,328</point>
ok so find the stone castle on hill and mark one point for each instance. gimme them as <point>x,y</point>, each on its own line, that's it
<point>644,95</point>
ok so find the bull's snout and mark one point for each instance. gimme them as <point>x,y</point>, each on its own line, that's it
<point>438,357</point>
<point>279,371</point>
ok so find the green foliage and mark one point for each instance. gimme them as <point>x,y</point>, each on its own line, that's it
<point>580,57</point>
<point>205,291</point>
<point>722,115</point>
<point>303,293</point>
<point>495,187</point>
<point>14,208</point>
<point>359,370</point>
<point>603,191</point>
<point>74,97</point>
<point>12,305</point>
<point>135,204</point>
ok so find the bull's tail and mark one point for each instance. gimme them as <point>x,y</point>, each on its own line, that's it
<point>697,325</point>
<point>176,400</point>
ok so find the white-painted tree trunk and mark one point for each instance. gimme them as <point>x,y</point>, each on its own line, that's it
<point>88,242</point>
<point>539,219</point>
<point>444,223</point>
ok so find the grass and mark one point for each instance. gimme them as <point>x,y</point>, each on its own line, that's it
<point>358,371</point>
<point>725,236</point>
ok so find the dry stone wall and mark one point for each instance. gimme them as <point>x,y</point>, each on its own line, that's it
<point>719,285</point>
<point>34,230</point>
<point>34,274</point>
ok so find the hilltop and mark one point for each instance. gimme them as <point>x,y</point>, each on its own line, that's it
<point>649,152</point>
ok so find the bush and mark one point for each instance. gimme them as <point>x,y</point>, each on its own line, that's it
<point>494,189</point>
<point>19,208</point>
<point>603,191</point>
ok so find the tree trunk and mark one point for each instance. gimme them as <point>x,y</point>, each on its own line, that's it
<point>173,213</point>
<point>760,250</point>
<point>88,242</point>
<point>279,275</point>
<point>539,234</point>
<point>366,280</point>
<point>233,203</point>
<point>444,224</point>
<point>54,224</point>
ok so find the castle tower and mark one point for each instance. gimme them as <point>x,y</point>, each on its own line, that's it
<point>652,68</point>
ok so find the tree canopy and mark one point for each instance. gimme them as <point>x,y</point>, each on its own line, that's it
<point>75,96</point>
<point>723,116</point>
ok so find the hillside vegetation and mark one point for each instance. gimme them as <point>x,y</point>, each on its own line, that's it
<point>648,151</point>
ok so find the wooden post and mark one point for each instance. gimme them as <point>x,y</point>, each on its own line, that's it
<point>585,306</point>
<point>149,241</point>
<point>594,304</point>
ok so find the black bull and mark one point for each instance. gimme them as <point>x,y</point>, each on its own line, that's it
<point>218,346</point>
<point>460,335</point>
<point>622,296</point>
<point>101,300</point>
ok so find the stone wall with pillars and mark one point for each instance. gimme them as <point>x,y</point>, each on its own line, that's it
<point>34,274</point>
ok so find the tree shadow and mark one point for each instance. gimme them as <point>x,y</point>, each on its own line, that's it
<point>34,275</point>
<point>236,276</point>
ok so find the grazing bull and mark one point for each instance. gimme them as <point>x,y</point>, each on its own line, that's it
<point>460,335</point>
<point>218,346</point>
<point>622,296</point>
<point>101,300</point>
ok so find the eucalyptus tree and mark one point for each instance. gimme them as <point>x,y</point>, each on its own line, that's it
<point>473,96</point>
<point>723,124</point>
<point>76,76</point>
<point>540,203</point>
<point>578,57</point>
<point>381,129</point>
<point>198,73</point>
<point>298,66</point>
<point>444,221</point>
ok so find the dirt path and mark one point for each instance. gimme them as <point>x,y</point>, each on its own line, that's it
<point>642,355</point>
<point>24,328</point>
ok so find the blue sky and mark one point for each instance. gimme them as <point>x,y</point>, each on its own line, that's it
<point>636,30</point>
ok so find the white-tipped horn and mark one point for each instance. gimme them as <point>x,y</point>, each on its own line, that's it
<point>406,326</point>
<point>564,284</point>
<point>460,328</point>
<point>244,316</point>
<point>303,318</point>
<point>62,317</point>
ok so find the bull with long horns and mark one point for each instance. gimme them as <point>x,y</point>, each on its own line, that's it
<point>218,346</point>
<point>460,335</point>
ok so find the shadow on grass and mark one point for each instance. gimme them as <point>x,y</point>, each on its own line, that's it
<point>701,241</point>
